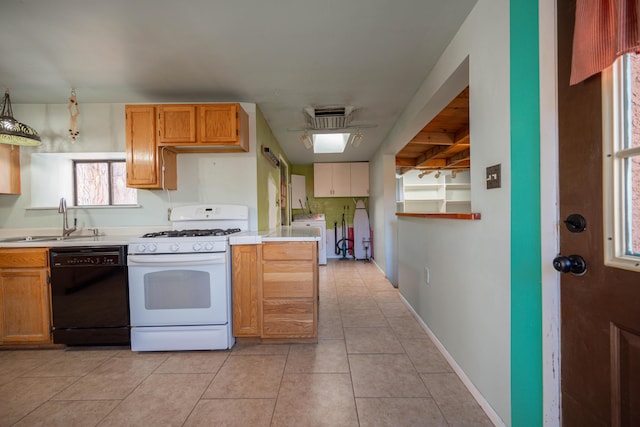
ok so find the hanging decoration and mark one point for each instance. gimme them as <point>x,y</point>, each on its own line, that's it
<point>74,112</point>
<point>12,131</point>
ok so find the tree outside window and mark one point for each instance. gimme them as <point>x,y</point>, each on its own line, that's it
<point>102,183</point>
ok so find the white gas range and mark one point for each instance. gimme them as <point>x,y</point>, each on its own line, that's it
<point>180,280</point>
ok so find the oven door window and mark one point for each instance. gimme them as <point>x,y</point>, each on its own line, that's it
<point>161,290</point>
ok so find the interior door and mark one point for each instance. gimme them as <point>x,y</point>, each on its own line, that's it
<point>600,310</point>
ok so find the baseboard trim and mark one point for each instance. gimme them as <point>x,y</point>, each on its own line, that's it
<point>486,407</point>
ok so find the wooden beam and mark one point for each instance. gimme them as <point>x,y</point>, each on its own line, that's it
<point>462,136</point>
<point>430,154</point>
<point>460,157</point>
<point>405,161</point>
<point>435,138</point>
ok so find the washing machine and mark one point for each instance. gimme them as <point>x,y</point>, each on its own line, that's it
<point>314,220</point>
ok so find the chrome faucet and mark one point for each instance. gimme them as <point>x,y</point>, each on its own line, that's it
<point>65,222</point>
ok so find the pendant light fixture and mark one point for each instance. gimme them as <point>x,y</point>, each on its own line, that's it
<point>12,131</point>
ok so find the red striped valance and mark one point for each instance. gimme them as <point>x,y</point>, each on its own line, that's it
<point>604,30</point>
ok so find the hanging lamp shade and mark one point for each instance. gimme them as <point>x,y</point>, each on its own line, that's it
<point>12,131</point>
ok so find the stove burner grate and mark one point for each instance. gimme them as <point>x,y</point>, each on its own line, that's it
<point>193,233</point>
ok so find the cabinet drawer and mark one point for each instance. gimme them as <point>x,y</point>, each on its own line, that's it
<point>21,258</point>
<point>288,251</point>
<point>287,279</point>
<point>288,318</point>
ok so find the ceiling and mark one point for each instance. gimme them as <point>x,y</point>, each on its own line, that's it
<point>443,144</point>
<point>283,55</point>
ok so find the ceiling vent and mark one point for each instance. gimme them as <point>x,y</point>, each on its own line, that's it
<point>334,117</point>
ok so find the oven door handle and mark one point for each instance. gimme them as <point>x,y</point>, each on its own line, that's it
<point>182,259</point>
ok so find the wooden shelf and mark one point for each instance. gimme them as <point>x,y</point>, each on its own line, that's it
<point>473,216</point>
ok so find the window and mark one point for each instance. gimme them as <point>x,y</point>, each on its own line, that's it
<point>101,183</point>
<point>621,110</point>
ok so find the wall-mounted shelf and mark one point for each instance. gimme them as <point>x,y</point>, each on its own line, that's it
<point>435,195</point>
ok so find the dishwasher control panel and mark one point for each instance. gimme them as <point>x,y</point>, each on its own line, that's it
<point>78,257</point>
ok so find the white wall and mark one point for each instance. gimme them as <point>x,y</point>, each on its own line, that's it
<point>202,178</point>
<point>467,303</point>
<point>382,202</point>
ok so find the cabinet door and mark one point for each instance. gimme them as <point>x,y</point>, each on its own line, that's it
<point>144,159</point>
<point>24,306</point>
<point>9,169</point>
<point>176,124</point>
<point>322,180</point>
<point>246,286</point>
<point>223,127</point>
<point>218,123</point>
<point>331,180</point>
<point>289,319</point>
<point>360,179</point>
<point>341,179</point>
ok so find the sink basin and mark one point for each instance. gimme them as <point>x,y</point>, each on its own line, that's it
<point>27,239</point>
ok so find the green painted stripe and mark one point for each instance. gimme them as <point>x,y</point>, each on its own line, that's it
<point>526,280</point>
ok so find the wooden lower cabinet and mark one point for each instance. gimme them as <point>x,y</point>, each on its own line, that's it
<point>246,267</point>
<point>290,290</point>
<point>25,302</point>
<point>275,291</point>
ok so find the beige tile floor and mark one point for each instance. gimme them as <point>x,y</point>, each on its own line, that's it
<point>373,365</point>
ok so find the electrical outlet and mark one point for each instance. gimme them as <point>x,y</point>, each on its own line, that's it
<point>168,214</point>
<point>494,176</point>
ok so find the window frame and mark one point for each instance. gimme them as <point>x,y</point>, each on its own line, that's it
<point>109,163</point>
<point>615,133</point>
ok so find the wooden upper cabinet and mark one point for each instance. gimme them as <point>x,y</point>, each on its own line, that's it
<point>359,179</point>
<point>202,128</point>
<point>145,160</point>
<point>176,124</point>
<point>341,179</point>
<point>9,169</point>
<point>224,124</point>
<point>331,180</point>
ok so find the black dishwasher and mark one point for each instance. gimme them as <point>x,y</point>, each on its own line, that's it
<point>90,295</point>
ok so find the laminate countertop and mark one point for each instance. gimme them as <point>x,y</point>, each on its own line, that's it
<point>280,234</point>
<point>46,238</point>
<point>51,237</point>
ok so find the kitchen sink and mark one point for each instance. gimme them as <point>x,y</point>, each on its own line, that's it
<point>27,239</point>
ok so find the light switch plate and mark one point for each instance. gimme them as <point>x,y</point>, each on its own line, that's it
<point>494,177</point>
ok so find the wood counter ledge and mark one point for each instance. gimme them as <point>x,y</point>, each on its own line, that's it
<point>473,216</point>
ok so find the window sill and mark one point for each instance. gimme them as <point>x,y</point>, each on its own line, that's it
<point>472,216</point>
<point>45,208</point>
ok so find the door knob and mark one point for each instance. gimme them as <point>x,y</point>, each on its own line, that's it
<point>575,223</point>
<point>573,264</point>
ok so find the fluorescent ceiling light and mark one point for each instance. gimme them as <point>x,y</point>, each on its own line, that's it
<point>324,143</point>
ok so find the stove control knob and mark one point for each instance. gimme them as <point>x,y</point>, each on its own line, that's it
<point>197,247</point>
<point>153,247</point>
<point>174,247</point>
<point>141,248</point>
<point>208,246</point>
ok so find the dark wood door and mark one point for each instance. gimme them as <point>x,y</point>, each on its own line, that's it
<point>600,310</point>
